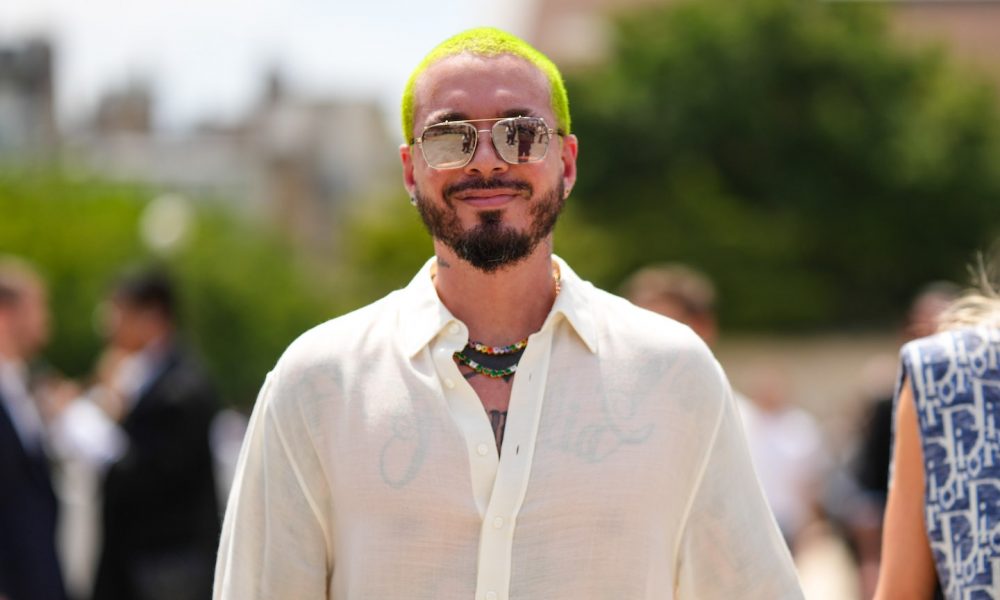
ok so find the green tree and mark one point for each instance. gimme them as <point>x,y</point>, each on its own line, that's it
<point>816,170</point>
<point>245,292</point>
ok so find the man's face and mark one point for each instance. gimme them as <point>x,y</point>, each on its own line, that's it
<point>490,212</point>
<point>129,327</point>
<point>32,320</point>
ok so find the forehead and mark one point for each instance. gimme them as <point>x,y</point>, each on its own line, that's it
<point>479,87</point>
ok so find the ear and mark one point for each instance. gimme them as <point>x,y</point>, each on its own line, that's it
<point>569,151</point>
<point>406,156</point>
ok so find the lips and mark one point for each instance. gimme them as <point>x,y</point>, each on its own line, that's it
<point>489,197</point>
<point>481,192</point>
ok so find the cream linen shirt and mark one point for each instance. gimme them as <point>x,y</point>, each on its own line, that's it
<point>370,470</point>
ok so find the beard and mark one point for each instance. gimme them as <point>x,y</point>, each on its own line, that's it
<point>490,245</point>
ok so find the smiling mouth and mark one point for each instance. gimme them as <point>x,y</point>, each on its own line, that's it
<point>489,198</point>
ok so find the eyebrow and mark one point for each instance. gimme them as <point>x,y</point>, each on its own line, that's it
<point>460,116</point>
<point>446,116</point>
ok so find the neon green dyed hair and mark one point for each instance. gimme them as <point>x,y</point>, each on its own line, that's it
<point>489,41</point>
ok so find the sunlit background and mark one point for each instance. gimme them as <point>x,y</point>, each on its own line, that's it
<point>820,161</point>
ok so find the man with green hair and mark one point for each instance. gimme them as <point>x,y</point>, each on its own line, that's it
<point>499,428</point>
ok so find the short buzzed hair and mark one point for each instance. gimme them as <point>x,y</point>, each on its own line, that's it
<point>489,42</point>
<point>672,282</point>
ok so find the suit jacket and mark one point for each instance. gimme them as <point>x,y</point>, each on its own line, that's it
<point>161,513</point>
<point>29,568</point>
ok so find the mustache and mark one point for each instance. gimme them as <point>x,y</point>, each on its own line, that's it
<point>494,183</point>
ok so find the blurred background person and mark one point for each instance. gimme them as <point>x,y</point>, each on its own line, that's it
<point>160,510</point>
<point>29,568</point>
<point>787,447</point>
<point>677,291</point>
<point>942,514</point>
<point>870,468</point>
<point>786,444</point>
<point>785,441</point>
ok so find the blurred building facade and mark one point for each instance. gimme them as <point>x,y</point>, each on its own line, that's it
<point>292,160</point>
<point>27,101</point>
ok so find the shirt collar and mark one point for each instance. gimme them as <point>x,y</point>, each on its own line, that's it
<point>423,315</point>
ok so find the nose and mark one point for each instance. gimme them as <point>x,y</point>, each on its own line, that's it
<point>485,160</point>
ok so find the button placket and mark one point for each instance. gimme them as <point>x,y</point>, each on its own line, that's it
<point>467,413</point>
<point>514,469</point>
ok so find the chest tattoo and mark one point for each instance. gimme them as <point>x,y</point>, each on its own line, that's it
<point>498,420</point>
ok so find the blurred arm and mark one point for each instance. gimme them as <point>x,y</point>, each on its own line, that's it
<point>907,571</point>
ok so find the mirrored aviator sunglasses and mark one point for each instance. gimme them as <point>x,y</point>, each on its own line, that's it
<point>452,144</point>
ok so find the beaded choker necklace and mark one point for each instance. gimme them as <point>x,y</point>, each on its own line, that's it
<point>498,362</point>
<point>498,350</point>
<point>501,361</point>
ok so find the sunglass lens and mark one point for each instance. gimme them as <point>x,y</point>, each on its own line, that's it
<point>521,140</point>
<point>448,145</point>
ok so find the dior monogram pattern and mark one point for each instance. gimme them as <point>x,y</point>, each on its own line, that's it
<point>956,385</point>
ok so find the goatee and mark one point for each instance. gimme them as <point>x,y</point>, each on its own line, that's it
<point>491,245</point>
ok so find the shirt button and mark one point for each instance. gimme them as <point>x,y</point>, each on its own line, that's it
<point>453,328</point>
<point>448,383</point>
<point>482,449</point>
<point>498,523</point>
<point>491,596</point>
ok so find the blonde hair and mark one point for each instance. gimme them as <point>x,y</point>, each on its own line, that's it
<point>489,42</point>
<point>980,307</point>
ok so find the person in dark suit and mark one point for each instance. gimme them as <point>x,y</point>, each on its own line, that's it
<point>29,567</point>
<point>161,514</point>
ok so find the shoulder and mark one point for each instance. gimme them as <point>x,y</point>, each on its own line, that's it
<point>642,352</point>
<point>184,379</point>
<point>622,324</point>
<point>950,346</point>
<point>344,336</point>
<point>943,365</point>
<point>315,367</point>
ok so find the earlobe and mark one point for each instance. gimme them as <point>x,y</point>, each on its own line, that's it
<point>406,157</point>
<point>569,153</point>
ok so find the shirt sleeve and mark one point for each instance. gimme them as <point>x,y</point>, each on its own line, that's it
<point>731,546</point>
<point>276,536</point>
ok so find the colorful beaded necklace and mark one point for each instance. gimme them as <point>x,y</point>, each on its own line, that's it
<point>498,350</point>
<point>484,370</point>
<point>511,349</point>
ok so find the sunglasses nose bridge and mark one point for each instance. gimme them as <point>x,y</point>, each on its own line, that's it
<point>493,158</point>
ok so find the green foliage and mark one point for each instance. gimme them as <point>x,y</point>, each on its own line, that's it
<point>78,231</point>
<point>819,173</point>
<point>384,243</point>
<point>245,293</point>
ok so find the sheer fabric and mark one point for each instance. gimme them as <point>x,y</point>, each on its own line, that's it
<point>370,469</point>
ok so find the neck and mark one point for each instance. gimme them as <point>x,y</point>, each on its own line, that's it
<point>501,307</point>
